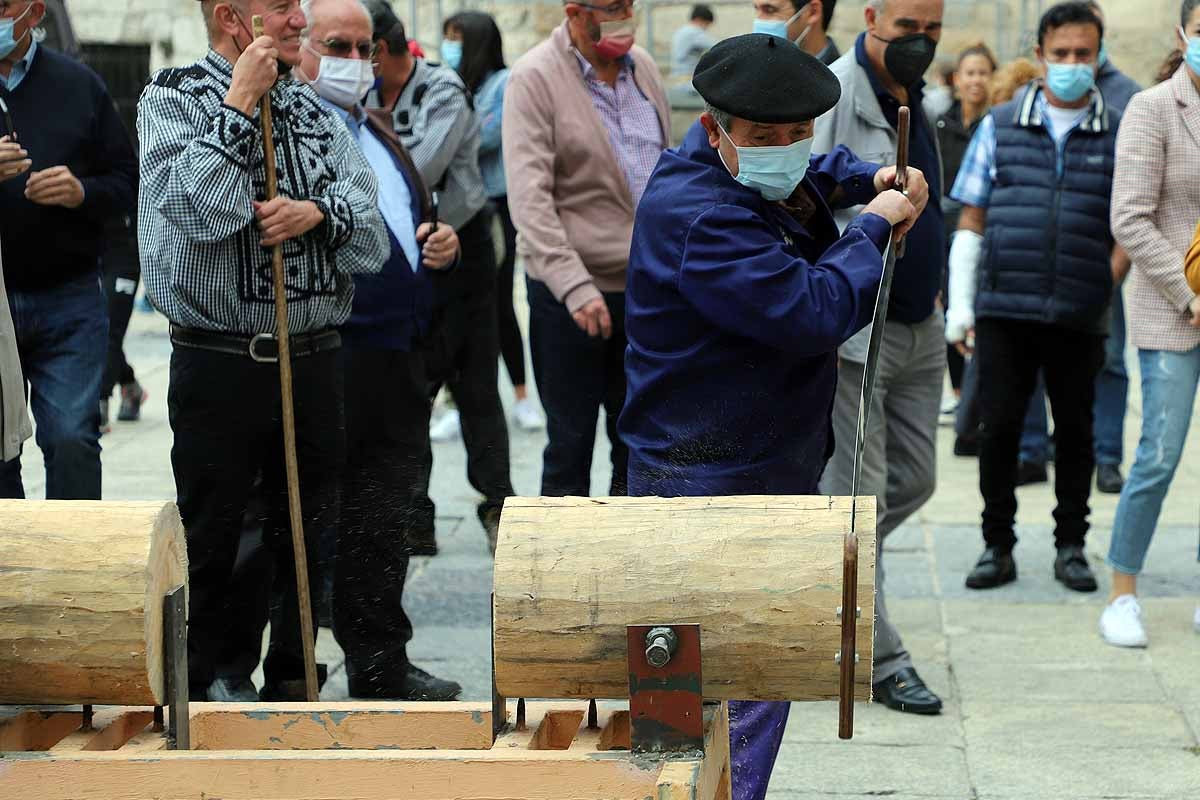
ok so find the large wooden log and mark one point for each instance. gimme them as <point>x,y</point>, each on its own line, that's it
<point>761,575</point>
<point>81,600</point>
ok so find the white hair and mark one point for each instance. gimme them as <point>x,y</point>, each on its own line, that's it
<point>307,7</point>
<point>722,118</point>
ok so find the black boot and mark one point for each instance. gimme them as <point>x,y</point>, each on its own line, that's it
<point>412,684</point>
<point>994,568</point>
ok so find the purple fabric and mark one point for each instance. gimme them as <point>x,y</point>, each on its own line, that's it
<point>634,130</point>
<point>755,733</point>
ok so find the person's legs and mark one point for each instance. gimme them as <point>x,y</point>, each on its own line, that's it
<point>512,348</point>
<point>1112,391</point>
<point>1169,383</point>
<point>120,286</point>
<point>569,368</point>
<point>1005,357</point>
<point>1035,435</point>
<point>1070,363</point>
<point>614,393</point>
<point>755,734</point>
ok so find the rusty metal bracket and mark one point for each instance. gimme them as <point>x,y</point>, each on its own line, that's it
<point>666,703</point>
<point>176,667</point>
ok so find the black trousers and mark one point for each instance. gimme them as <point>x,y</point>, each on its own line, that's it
<point>576,376</point>
<point>121,274</point>
<point>226,418</point>
<point>512,348</point>
<point>1009,354</point>
<point>462,352</point>
<point>385,497</point>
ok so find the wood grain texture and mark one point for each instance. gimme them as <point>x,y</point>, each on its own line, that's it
<point>81,592</point>
<point>707,778</point>
<point>761,575</point>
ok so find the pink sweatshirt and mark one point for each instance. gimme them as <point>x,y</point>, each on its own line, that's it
<point>566,192</point>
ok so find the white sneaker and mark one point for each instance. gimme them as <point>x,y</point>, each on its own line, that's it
<point>445,428</point>
<point>949,411</point>
<point>1121,623</point>
<point>527,416</point>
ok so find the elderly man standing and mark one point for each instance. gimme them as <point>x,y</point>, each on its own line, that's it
<point>66,167</point>
<point>384,370</point>
<point>740,291</point>
<point>881,73</point>
<point>585,120</point>
<point>206,233</point>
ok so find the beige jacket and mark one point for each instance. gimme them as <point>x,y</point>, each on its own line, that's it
<point>566,192</point>
<point>1155,206</point>
<point>14,422</point>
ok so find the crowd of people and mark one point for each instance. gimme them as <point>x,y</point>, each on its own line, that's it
<point>712,302</point>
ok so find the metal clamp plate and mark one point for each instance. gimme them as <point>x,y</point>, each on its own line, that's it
<point>666,705</point>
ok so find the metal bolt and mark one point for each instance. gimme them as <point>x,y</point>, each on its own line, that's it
<point>660,646</point>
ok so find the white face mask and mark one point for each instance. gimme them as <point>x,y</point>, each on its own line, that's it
<point>342,81</point>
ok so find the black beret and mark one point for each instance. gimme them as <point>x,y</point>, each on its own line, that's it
<point>763,78</point>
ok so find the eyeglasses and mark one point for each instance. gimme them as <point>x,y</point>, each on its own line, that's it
<point>341,48</point>
<point>612,9</point>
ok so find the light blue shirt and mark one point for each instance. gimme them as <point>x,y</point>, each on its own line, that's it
<point>489,105</point>
<point>20,69</point>
<point>395,200</point>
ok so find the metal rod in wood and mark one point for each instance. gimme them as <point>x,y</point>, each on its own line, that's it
<point>902,131</point>
<point>849,651</point>
<point>175,649</point>
<point>303,595</point>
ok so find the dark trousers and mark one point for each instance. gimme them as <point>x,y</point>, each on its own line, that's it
<point>1009,354</point>
<point>121,275</point>
<point>225,414</point>
<point>462,352</point>
<point>61,337</point>
<point>512,348</point>
<point>385,496</point>
<point>576,376</point>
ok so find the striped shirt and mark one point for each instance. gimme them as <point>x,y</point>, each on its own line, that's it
<point>634,130</point>
<point>201,169</point>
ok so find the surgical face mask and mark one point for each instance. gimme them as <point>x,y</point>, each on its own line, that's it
<point>7,42</point>
<point>775,27</point>
<point>907,57</point>
<point>342,81</point>
<point>1070,82</point>
<point>1191,55</point>
<point>774,172</point>
<point>616,38</point>
<point>452,53</point>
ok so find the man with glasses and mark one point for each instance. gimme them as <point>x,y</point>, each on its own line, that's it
<point>206,232</point>
<point>66,168</point>
<point>433,114</point>
<point>585,121</point>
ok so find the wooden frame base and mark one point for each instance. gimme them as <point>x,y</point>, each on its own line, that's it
<point>354,751</point>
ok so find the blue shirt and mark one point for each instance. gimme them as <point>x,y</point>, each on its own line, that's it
<point>20,69</point>
<point>919,274</point>
<point>489,104</point>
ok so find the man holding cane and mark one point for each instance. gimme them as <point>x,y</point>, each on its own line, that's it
<point>206,233</point>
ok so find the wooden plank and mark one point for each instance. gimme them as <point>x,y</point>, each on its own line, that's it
<point>332,775</point>
<point>341,726</point>
<point>761,575</point>
<point>701,779</point>
<point>37,730</point>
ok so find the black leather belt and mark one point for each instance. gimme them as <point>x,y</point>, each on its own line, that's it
<point>262,348</point>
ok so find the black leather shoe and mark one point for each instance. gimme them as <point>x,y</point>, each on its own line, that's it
<point>966,447</point>
<point>1108,479</point>
<point>1031,472</point>
<point>232,690</point>
<point>414,684</point>
<point>905,691</point>
<point>994,568</point>
<point>292,690</point>
<point>1072,570</point>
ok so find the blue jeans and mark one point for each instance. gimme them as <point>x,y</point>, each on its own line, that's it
<point>1112,391</point>
<point>1169,383</point>
<point>62,338</point>
<point>755,734</point>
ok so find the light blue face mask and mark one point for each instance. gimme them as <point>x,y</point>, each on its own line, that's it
<point>774,172</point>
<point>1070,82</point>
<point>775,27</point>
<point>7,42</point>
<point>1191,55</point>
<point>451,53</point>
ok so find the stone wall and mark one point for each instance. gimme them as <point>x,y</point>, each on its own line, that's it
<point>1140,30</point>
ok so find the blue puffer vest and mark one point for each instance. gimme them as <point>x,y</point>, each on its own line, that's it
<point>1047,247</point>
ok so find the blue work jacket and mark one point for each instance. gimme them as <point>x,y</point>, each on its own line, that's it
<point>734,314</point>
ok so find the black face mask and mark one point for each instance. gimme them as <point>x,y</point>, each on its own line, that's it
<point>907,57</point>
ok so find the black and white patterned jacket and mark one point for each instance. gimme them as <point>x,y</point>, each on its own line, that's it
<point>201,168</point>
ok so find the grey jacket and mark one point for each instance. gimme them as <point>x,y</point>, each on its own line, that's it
<point>14,422</point>
<point>857,122</point>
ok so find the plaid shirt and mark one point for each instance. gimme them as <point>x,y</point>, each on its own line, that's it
<point>632,123</point>
<point>201,168</point>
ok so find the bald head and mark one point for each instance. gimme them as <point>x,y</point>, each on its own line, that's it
<point>339,28</point>
<point>320,13</point>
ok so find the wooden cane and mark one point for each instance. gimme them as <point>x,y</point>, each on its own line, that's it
<point>289,415</point>
<point>902,131</point>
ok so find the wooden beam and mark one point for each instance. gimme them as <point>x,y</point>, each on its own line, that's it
<point>112,728</point>
<point>341,726</point>
<point>37,730</point>
<point>702,779</point>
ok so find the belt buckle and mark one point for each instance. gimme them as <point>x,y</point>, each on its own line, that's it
<point>254,356</point>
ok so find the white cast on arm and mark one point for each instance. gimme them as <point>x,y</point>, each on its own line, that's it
<point>965,251</point>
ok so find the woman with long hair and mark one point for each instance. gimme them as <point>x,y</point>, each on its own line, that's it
<point>471,44</point>
<point>1154,211</point>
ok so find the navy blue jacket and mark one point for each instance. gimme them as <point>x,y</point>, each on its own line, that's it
<point>1048,244</point>
<point>734,313</point>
